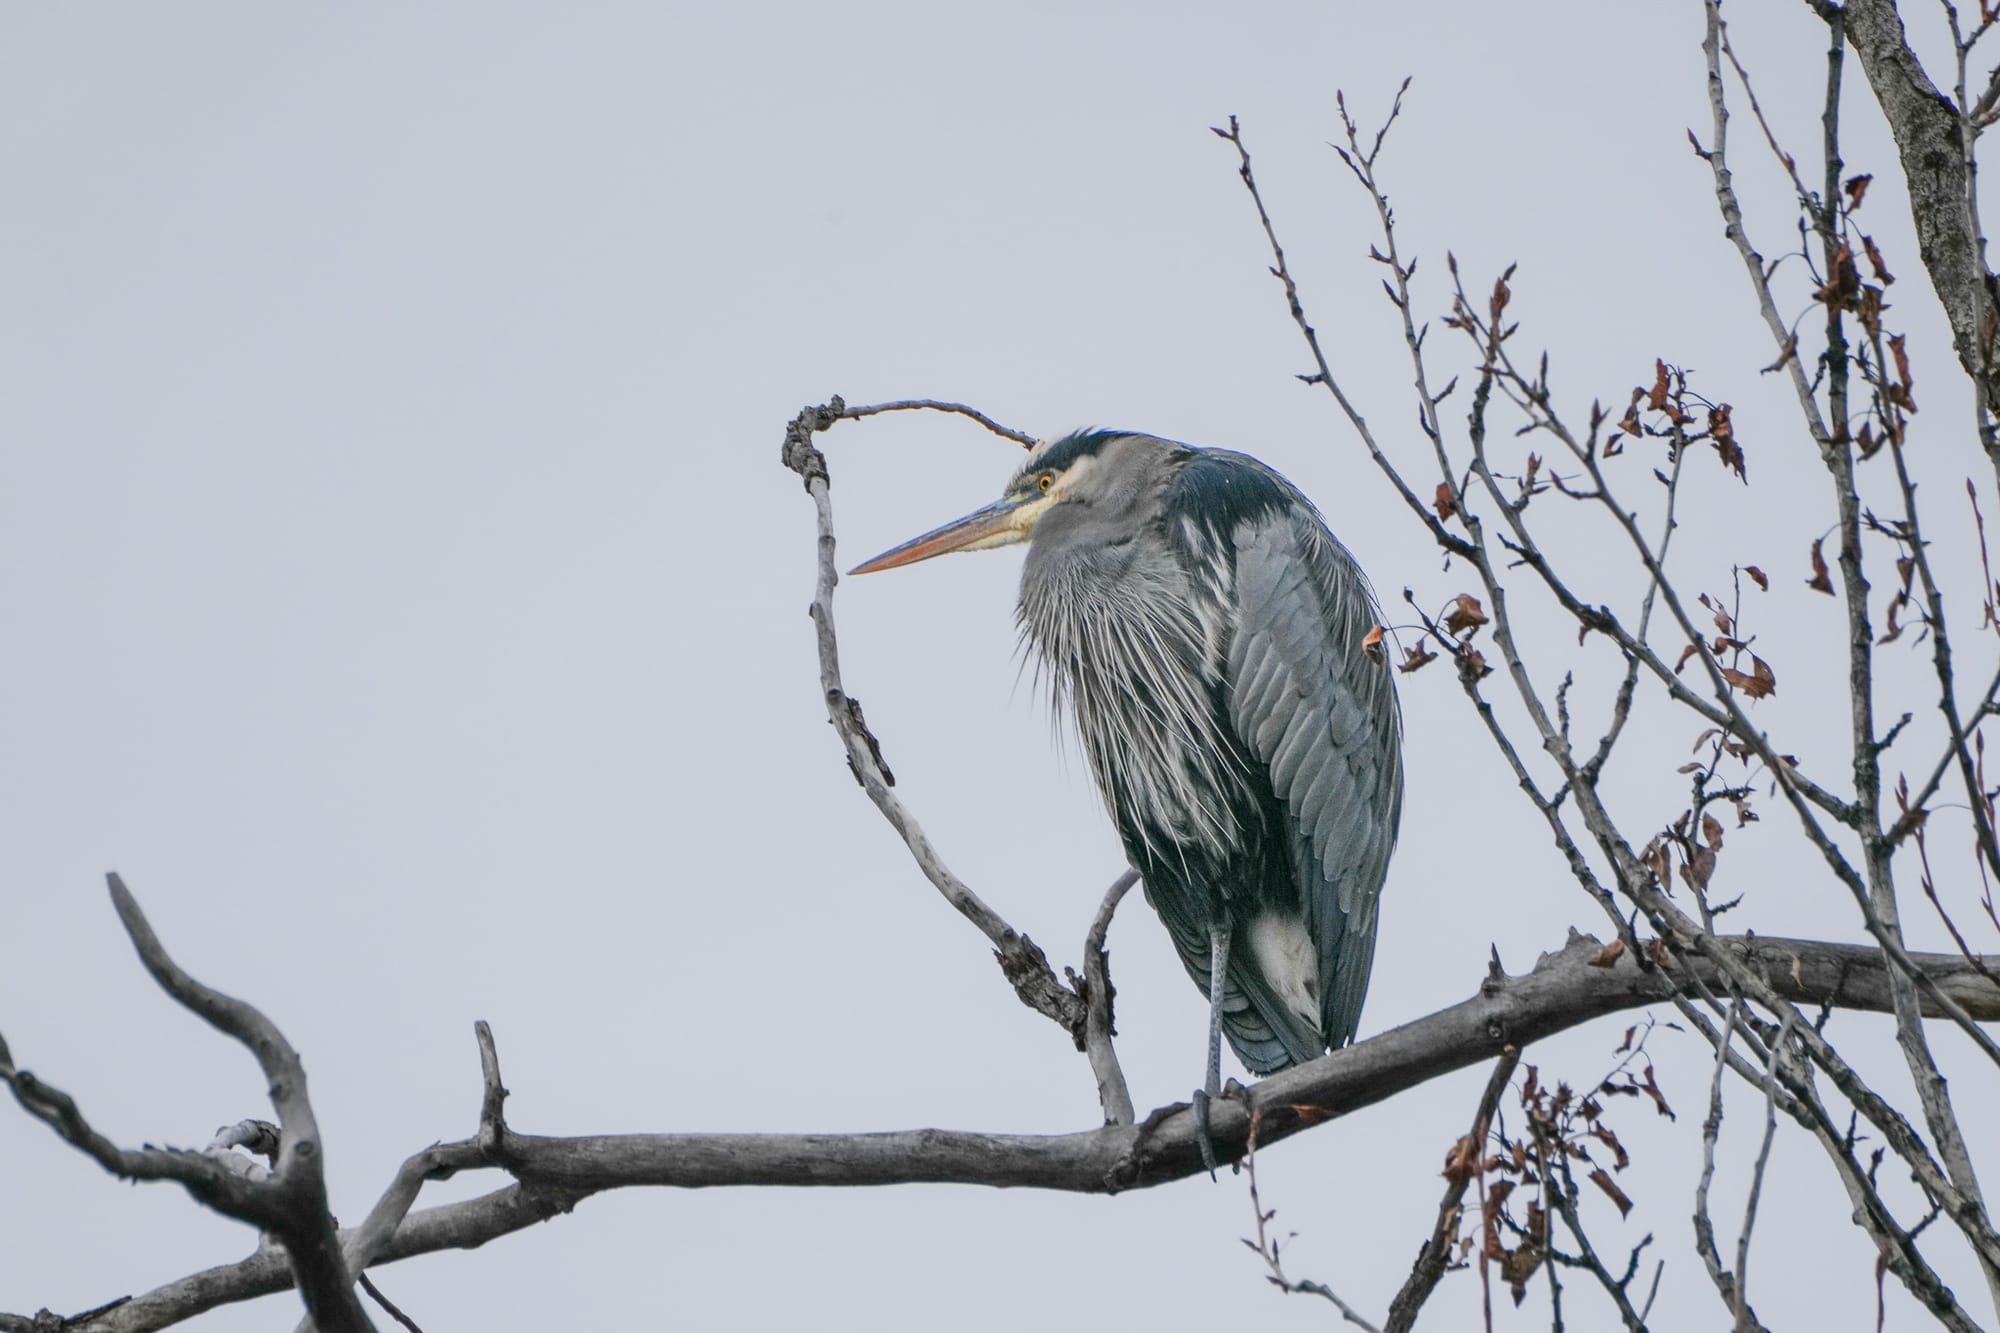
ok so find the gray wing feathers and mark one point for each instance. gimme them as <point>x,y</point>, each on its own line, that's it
<point>1322,716</point>
<point>1264,1034</point>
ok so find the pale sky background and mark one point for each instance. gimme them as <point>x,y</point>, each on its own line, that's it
<point>402,591</point>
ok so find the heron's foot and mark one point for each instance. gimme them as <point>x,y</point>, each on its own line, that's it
<point>1203,1140</point>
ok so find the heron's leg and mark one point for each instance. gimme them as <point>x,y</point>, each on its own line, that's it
<point>1218,975</point>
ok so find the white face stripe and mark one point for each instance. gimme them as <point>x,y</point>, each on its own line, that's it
<point>1067,479</point>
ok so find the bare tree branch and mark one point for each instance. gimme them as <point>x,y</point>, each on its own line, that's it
<point>1928,133</point>
<point>1021,959</point>
<point>553,1175</point>
<point>1462,1165</point>
<point>1095,986</point>
<point>1021,438</point>
<point>290,1200</point>
<point>1271,1250</point>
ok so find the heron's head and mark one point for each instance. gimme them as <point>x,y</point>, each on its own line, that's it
<point>1083,467</point>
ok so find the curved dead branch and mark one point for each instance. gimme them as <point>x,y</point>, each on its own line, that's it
<point>552,1175</point>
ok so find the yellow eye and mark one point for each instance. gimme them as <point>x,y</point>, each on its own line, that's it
<point>1046,480</point>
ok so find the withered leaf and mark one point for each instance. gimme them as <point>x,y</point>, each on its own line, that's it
<point>1758,683</point>
<point>1843,284</point>
<point>1462,1162</point>
<point>1785,353</point>
<point>1857,186</point>
<point>1415,659</point>
<point>1466,614</point>
<point>1603,1181</point>
<point>1517,1266</point>
<point>1630,423</point>
<point>1699,868</point>
<point>1711,830</point>
<point>1656,400</point>
<point>1473,663</point>
<point>1443,503</point>
<point>1722,620</point>
<point>1819,582</point>
<point>1895,630</point>
<point>1652,1089</point>
<point>1757,577</point>
<point>1870,307</point>
<point>1882,274</point>
<point>1902,373</point>
<point>1723,432</point>
<point>1686,653</point>
<point>1602,1133</point>
<point>1609,954</point>
<point>1654,858</point>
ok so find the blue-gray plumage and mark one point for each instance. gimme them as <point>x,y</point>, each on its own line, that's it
<point>1208,635</point>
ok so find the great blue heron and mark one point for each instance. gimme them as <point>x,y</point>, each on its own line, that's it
<point>1211,637</point>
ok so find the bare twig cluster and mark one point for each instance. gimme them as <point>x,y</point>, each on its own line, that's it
<point>1487,510</point>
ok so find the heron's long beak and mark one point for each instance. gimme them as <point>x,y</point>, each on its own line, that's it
<point>1002,523</point>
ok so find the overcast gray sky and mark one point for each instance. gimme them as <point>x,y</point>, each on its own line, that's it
<point>402,591</point>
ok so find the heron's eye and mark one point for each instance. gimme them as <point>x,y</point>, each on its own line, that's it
<point>1046,480</point>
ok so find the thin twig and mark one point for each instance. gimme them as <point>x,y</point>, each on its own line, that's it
<point>396,1314</point>
<point>1112,1095</point>
<point>1744,1319</point>
<point>1461,1165</point>
<point>1021,438</point>
<point>1268,1247</point>
<point>1020,958</point>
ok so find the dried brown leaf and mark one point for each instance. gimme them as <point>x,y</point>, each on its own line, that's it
<point>1758,683</point>
<point>1819,582</point>
<point>1900,393</point>
<point>1443,503</point>
<point>1699,868</point>
<point>1415,659</point>
<point>1602,1133</point>
<point>1843,284</point>
<point>1603,1181</point>
<point>1518,1266</point>
<point>1656,400</point>
<point>1882,274</point>
<point>1652,1089</point>
<point>1466,614</point>
<point>1462,1162</point>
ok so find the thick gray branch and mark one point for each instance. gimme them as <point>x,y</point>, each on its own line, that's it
<point>1563,991</point>
<point>1927,131</point>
